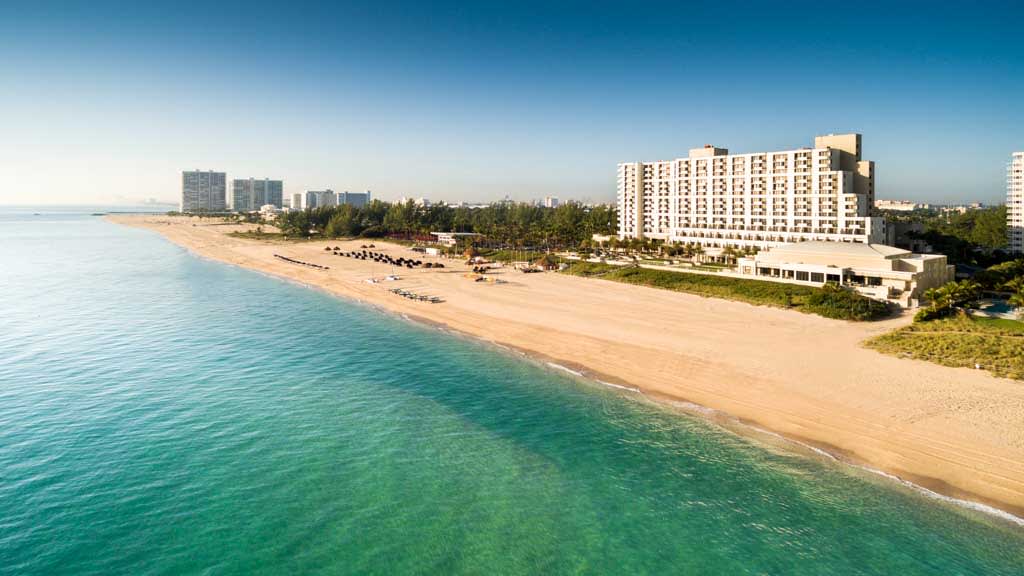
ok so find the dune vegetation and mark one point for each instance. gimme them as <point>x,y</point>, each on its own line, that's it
<point>996,345</point>
<point>829,301</point>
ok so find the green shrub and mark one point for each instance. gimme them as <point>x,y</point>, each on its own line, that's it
<point>373,232</point>
<point>831,302</point>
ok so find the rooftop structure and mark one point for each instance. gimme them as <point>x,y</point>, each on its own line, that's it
<point>764,199</point>
<point>875,270</point>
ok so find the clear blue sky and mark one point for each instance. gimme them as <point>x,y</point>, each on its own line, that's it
<point>478,100</point>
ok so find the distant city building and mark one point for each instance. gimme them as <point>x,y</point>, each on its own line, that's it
<point>203,191</point>
<point>1015,204</point>
<point>961,208</point>
<point>899,205</point>
<point>320,199</point>
<point>765,199</point>
<point>249,195</point>
<point>551,201</point>
<point>357,199</point>
<point>421,202</point>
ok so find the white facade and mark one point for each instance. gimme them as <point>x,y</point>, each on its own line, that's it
<point>203,191</point>
<point>765,199</point>
<point>269,211</point>
<point>551,202</point>
<point>880,272</point>
<point>898,205</point>
<point>1015,204</point>
<point>419,202</point>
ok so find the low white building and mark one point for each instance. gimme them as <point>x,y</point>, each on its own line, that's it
<point>269,211</point>
<point>875,270</point>
<point>451,238</point>
<point>420,202</point>
<point>898,205</point>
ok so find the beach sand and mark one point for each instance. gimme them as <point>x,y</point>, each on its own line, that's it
<point>956,431</point>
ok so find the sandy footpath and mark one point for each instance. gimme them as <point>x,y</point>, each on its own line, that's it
<point>956,431</point>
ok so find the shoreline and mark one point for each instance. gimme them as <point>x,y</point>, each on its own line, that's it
<point>996,491</point>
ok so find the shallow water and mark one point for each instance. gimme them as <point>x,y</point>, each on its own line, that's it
<point>160,413</point>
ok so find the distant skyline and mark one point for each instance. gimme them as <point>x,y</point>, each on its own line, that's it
<point>474,102</point>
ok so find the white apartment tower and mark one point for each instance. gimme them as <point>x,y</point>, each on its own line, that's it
<point>252,194</point>
<point>1015,204</point>
<point>764,199</point>
<point>203,191</point>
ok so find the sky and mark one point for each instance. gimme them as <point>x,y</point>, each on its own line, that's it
<point>108,102</point>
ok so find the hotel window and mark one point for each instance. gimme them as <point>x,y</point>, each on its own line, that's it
<point>818,277</point>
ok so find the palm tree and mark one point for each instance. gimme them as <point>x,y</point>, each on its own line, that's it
<point>729,254</point>
<point>938,297</point>
<point>698,250</point>
<point>964,294</point>
<point>1016,287</point>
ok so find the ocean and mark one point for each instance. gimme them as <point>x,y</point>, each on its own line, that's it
<point>165,414</point>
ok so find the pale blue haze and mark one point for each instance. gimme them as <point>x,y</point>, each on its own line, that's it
<point>163,414</point>
<point>476,100</point>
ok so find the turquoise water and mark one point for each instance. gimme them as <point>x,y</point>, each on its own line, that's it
<point>162,414</point>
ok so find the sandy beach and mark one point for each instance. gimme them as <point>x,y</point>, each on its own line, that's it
<point>958,432</point>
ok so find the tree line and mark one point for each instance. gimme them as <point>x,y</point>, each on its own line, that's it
<point>513,224</point>
<point>976,237</point>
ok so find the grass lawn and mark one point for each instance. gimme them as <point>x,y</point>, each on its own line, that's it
<point>504,255</point>
<point>1011,325</point>
<point>995,344</point>
<point>275,236</point>
<point>836,303</point>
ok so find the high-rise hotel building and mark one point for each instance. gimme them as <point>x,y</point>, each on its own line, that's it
<point>203,191</point>
<point>761,200</point>
<point>252,194</point>
<point>1015,204</point>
